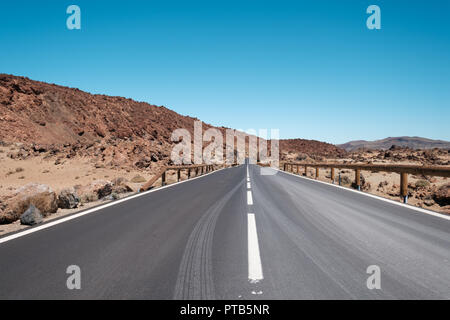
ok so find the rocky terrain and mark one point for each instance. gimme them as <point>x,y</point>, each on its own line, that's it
<point>424,191</point>
<point>63,123</point>
<point>309,148</point>
<point>77,145</point>
<point>406,142</point>
<point>62,149</point>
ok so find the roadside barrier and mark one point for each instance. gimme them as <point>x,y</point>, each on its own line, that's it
<point>192,171</point>
<point>403,170</point>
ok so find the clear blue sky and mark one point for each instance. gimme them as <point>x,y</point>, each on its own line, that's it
<point>309,68</point>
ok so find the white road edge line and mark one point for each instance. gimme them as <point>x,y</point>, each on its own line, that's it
<point>432,213</point>
<point>255,272</point>
<point>249,198</point>
<point>77,215</point>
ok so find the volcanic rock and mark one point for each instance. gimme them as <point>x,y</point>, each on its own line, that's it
<point>31,216</point>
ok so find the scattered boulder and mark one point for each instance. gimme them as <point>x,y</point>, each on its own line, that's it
<point>428,203</point>
<point>39,148</point>
<point>95,190</point>
<point>104,190</point>
<point>31,216</point>
<point>154,157</point>
<point>88,197</point>
<point>120,186</point>
<point>68,199</point>
<point>143,163</point>
<point>442,195</point>
<point>6,214</point>
<point>111,197</point>
<point>122,189</point>
<point>39,195</point>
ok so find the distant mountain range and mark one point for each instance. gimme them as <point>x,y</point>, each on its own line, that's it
<point>410,142</point>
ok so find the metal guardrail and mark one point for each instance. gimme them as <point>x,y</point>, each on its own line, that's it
<point>403,170</point>
<point>197,170</point>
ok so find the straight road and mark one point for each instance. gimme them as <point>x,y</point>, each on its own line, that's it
<point>236,234</point>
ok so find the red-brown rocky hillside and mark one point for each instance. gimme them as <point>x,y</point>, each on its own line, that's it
<point>114,131</point>
<point>66,121</point>
<point>312,148</point>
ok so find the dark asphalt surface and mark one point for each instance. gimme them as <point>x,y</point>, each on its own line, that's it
<point>189,241</point>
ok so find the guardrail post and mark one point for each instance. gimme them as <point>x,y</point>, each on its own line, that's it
<point>163,179</point>
<point>317,172</point>
<point>404,186</point>
<point>298,169</point>
<point>189,173</point>
<point>332,175</point>
<point>306,171</point>
<point>358,178</point>
<point>178,175</point>
<point>339,178</point>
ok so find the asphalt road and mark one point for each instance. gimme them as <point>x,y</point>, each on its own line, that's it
<point>226,236</point>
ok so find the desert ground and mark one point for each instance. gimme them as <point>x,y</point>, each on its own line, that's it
<point>423,190</point>
<point>60,175</point>
<point>76,172</point>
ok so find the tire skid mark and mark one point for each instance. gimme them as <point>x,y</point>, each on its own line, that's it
<point>195,278</point>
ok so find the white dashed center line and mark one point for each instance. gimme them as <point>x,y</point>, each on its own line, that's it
<point>255,273</point>
<point>249,198</point>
